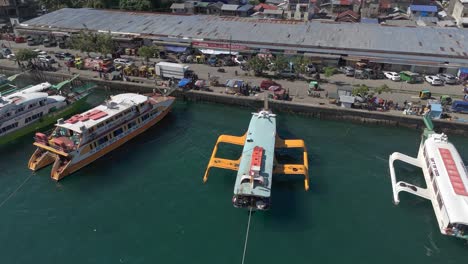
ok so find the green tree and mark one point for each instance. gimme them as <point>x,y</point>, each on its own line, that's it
<point>148,52</point>
<point>105,44</point>
<point>383,89</point>
<point>26,55</point>
<point>280,63</point>
<point>85,41</point>
<point>300,64</point>
<point>329,71</point>
<point>258,65</point>
<point>362,90</point>
<point>139,5</point>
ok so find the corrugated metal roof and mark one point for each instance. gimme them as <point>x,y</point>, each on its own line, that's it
<point>297,35</point>
<point>229,7</point>
<point>273,12</point>
<point>245,8</point>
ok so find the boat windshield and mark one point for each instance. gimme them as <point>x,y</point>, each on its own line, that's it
<point>65,139</point>
<point>458,230</point>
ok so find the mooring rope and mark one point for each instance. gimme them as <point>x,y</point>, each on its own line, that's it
<point>247,236</point>
<point>15,191</point>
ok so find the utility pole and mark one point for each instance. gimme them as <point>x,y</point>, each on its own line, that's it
<point>230,41</point>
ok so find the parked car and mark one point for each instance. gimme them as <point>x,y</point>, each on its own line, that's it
<point>46,58</point>
<point>265,84</point>
<point>392,76</point>
<point>411,77</point>
<point>311,69</point>
<point>288,74</point>
<point>240,60</point>
<point>347,70</point>
<point>60,55</point>
<point>448,78</point>
<point>125,62</point>
<point>11,56</point>
<point>20,40</point>
<point>433,80</point>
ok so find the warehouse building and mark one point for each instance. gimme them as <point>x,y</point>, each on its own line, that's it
<point>420,49</point>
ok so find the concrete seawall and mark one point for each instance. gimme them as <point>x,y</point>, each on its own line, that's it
<point>317,111</point>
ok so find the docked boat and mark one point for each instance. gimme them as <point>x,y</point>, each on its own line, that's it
<point>80,140</point>
<point>6,83</point>
<point>31,108</point>
<point>446,179</point>
<point>257,165</point>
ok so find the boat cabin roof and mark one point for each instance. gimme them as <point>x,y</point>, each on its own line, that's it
<point>18,98</point>
<point>117,104</point>
<point>261,133</point>
<point>451,176</point>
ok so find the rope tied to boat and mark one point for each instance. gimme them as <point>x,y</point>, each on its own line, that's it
<point>247,235</point>
<point>16,190</point>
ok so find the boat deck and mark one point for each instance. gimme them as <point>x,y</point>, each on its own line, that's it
<point>262,133</point>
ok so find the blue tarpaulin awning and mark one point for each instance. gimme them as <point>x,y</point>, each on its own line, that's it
<point>184,82</point>
<point>175,48</point>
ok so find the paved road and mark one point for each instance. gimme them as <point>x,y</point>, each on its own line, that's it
<point>401,91</point>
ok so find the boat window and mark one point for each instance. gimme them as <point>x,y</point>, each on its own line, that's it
<point>143,118</point>
<point>436,189</point>
<point>439,200</point>
<point>431,174</point>
<point>102,140</point>
<point>131,124</point>
<point>10,126</point>
<point>20,110</point>
<point>100,125</point>
<point>118,132</point>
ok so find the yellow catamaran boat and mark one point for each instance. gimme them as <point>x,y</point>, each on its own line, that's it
<point>83,138</point>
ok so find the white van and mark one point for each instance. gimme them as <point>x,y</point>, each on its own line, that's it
<point>123,61</point>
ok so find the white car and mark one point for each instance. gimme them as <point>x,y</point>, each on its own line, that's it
<point>46,58</point>
<point>40,52</point>
<point>392,76</point>
<point>123,61</point>
<point>11,56</point>
<point>239,60</point>
<point>434,80</point>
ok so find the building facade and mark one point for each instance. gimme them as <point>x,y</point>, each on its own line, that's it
<point>460,12</point>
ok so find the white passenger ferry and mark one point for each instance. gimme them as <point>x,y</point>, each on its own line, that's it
<point>446,180</point>
<point>22,108</point>
<point>83,138</point>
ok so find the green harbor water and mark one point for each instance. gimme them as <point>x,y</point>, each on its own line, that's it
<point>146,203</point>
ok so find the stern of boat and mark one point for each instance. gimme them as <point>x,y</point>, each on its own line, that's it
<point>40,159</point>
<point>60,169</point>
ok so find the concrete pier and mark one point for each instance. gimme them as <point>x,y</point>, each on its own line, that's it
<point>320,111</point>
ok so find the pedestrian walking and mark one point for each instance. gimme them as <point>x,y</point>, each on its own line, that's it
<point>208,76</point>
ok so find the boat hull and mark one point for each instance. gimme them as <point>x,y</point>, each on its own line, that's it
<point>78,106</point>
<point>59,172</point>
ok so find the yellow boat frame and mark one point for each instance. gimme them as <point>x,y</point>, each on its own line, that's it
<point>292,169</point>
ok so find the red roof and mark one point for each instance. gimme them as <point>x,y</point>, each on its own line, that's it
<point>386,4</point>
<point>452,171</point>
<point>262,6</point>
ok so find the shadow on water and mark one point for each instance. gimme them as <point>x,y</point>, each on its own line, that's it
<point>287,209</point>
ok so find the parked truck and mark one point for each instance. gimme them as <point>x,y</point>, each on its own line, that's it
<point>167,70</point>
<point>104,65</point>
